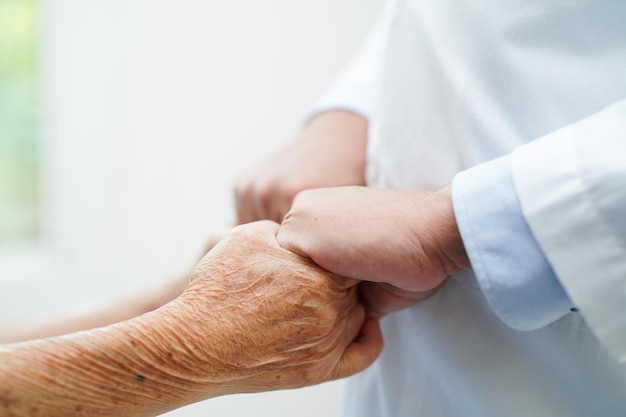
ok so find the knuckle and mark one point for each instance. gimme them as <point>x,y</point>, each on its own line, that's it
<point>243,187</point>
<point>291,217</point>
<point>265,190</point>
<point>300,207</point>
<point>330,315</point>
<point>302,196</point>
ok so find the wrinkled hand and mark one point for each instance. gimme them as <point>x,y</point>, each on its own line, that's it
<point>254,318</point>
<point>258,317</point>
<point>329,152</point>
<point>405,242</point>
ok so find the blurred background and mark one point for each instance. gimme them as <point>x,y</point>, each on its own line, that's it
<point>123,126</point>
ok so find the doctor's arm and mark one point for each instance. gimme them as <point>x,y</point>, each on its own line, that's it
<point>254,318</point>
<point>330,150</point>
<point>543,229</point>
<point>571,188</point>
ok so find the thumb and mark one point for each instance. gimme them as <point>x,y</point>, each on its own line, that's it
<point>288,238</point>
<point>363,351</point>
<point>265,230</point>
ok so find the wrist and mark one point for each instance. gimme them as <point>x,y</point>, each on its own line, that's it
<point>138,367</point>
<point>184,349</point>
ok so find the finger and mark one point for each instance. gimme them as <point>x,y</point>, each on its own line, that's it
<point>354,323</point>
<point>268,231</point>
<point>280,207</point>
<point>382,298</point>
<point>349,282</point>
<point>242,204</point>
<point>291,239</point>
<point>258,206</point>
<point>265,230</point>
<point>362,352</point>
<point>288,236</point>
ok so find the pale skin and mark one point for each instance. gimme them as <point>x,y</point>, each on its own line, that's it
<point>329,151</point>
<point>254,318</point>
<point>403,243</point>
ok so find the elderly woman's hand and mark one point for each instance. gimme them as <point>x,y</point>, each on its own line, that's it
<point>258,317</point>
<point>254,318</point>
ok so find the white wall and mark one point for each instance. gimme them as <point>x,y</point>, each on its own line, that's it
<point>152,109</point>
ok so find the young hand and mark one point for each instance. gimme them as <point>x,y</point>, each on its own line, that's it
<point>407,239</point>
<point>330,151</point>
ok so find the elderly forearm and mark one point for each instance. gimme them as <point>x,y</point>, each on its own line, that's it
<point>254,318</point>
<point>135,368</point>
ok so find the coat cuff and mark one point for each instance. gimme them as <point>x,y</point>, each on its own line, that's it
<point>572,189</point>
<point>510,267</point>
<point>355,88</point>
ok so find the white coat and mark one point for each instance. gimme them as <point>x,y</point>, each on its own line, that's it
<point>521,105</point>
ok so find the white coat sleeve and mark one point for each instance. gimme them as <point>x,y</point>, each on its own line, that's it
<point>571,186</point>
<point>545,227</point>
<point>355,87</point>
<point>510,267</point>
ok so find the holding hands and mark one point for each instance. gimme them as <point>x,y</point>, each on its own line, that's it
<point>285,321</point>
<point>269,306</point>
<point>255,317</point>
<point>329,152</point>
<point>402,243</point>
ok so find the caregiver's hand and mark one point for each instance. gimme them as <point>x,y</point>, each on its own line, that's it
<point>255,318</point>
<point>407,240</point>
<point>330,151</point>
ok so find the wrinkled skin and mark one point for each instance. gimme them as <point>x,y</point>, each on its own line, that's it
<point>282,321</point>
<point>92,315</point>
<point>254,318</point>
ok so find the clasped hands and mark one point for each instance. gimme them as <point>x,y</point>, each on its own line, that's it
<point>402,244</point>
<point>269,306</point>
<point>306,295</point>
<point>372,251</point>
<point>291,290</point>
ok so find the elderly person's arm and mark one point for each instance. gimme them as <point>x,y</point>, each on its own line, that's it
<point>255,318</point>
<point>91,315</point>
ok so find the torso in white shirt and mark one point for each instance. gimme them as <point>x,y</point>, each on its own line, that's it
<point>463,82</point>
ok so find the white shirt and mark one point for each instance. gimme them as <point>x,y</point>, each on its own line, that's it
<point>519,104</point>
